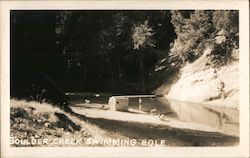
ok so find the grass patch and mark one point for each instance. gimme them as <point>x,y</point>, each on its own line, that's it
<point>32,120</point>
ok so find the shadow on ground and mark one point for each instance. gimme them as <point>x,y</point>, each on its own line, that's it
<point>172,136</point>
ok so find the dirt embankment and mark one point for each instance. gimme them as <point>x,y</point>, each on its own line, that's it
<point>199,83</point>
<point>32,121</point>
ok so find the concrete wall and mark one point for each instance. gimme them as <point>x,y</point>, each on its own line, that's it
<point>118,103</point>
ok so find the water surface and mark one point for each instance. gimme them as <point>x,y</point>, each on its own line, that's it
<point>224,119</point>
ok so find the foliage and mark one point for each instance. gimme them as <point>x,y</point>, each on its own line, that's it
<point>190,32</point>
<point>112,38</point>
<point>219,55</point>
<point>142,35</point>
<point>228,21</point>
<point>227,24</point>
<point>69,41</point>
<point>196,29</point>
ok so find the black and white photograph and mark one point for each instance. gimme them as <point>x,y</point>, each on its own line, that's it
<point>147,78</point>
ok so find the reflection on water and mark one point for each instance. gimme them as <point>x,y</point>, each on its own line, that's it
<point>224,119</point>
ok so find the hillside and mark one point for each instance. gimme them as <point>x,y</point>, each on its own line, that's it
<point>32,121</point>
<point>207,51</point>
<point>202,84</point>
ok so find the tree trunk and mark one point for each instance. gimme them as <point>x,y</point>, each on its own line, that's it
<point>119,70</point>
<point>83,78</point>
<point>112,74</point>
<point>142,75</point>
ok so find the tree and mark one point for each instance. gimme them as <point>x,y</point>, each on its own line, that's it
<point>227,20</point>
<point>192,30</point>
<point>196,29</point>
<point>142,35</point>
<point>117,41</point>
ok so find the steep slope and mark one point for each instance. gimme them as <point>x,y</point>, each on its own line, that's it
<point>32,121</point>
<point>202,84</point>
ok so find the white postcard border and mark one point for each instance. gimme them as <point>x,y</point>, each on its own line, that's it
<point>239,151</point>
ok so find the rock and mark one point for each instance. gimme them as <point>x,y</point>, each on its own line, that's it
<point>97,95</point>
<point>220,39</point>
<point>153,111</point>
<point>39,120</point>
<point>235,54</point>
<point>86,101</point>
<point>212,85</point>
<point>46,124</point>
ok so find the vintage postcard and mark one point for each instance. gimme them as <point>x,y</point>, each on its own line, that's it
<point>125,78</point>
